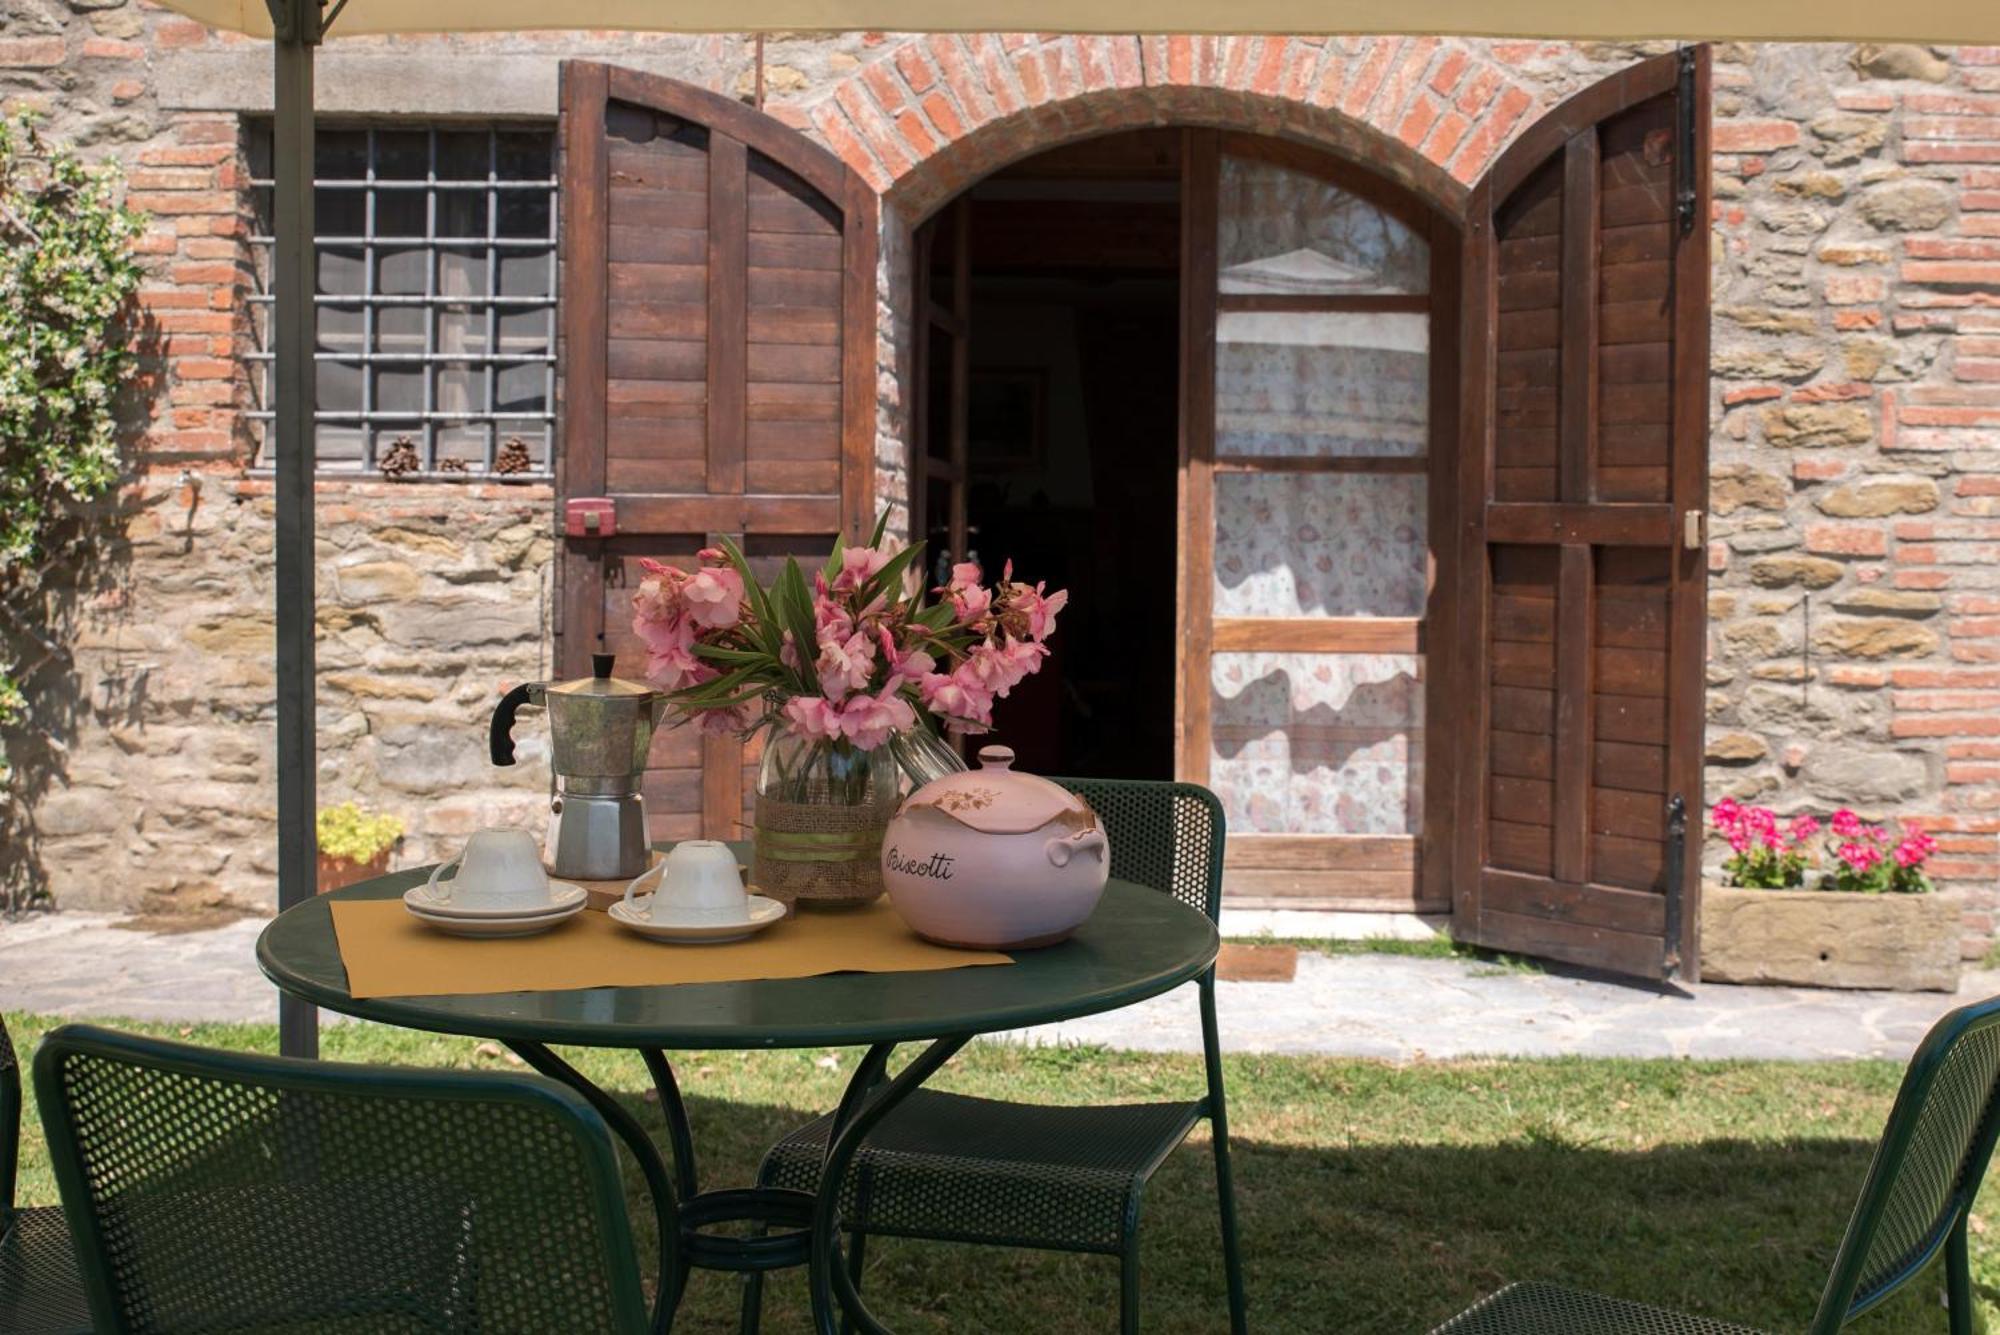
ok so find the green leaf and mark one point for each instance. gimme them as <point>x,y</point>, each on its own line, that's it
<point>833,560</point>
<point>890,576</point>
<point>881,527</point>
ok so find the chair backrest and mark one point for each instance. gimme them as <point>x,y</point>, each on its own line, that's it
<point>1165,835</point>
<point>216,1191</point>
<point>1927,1167</point>
<point>10,1123</point>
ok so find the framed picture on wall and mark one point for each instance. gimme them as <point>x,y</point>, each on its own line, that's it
<point>1007,419</point>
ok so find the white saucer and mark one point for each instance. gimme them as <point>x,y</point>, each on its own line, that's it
<point>497,927</point>
<point>563,898</point>
<point>631,916</point>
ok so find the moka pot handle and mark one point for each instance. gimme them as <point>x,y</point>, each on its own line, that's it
<point>501,734</point>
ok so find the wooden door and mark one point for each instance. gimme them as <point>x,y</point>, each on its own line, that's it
<point>718,371</point>
<point>1318,355</point>
<point>1582,475</point>
<point>939,448</point>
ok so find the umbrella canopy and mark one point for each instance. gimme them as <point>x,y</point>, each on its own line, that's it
<point>1974,21</point>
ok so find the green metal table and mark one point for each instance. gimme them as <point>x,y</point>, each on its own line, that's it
<point>1138,944</point>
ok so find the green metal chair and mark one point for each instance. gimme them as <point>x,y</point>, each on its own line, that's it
<point>959,1169</point>
<point>1914,1202</point>
<point>40,1289</point>
<point>220,1192</point>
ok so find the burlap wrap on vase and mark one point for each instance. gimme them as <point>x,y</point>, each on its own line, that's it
<point>819,852</point>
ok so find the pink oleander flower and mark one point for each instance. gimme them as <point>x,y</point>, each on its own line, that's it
<point>858,565</point>
<point>867,720</point>
<point>965,705</point>
<point>831,619</point>
<point>812,718</point>
<point>904,667</point>
<point>715,597</point>
<point>970,601</point>
<point>844,666</point>
<point>1039,608</point>
<point>1000,667</point>
<point>1846,824</point>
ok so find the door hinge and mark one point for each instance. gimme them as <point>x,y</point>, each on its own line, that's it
<point>590,517</point>
<point>1685,167</point>
<point>1693,530</point>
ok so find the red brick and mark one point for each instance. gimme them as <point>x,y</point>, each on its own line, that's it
<point>949,54</point>
<point>1860,101</point>
<point>171,178</point>
<point>1854,289</point>
<point>1407,75</point>
<point>911,126</point>
<point>178,202</point>
<point>1270,69</point>
<point>1450,131</point>
<point>944,116</point>
<point>1950,104</point>
<point>1951,127</point>
<point>1852,318</point>
<point>105,48</point>
<point>1930,152</point>
<point>1982,726</point>
<point>1180,59</point>
<point>1846,540</point>
<point>875,129</point>
<point>1030,74</point>
<point>1846,674</point>
<point>1836,392</point>
<point>1746,136</point>
<point>1751,394</point>
<point>915,69</point>
<point>178,32</point>
<point>883,87</point>
<point>31,52</point>
<point>1807,469</point>
<point>1362,86</point>
<point>1485,83</point>
<point>1423,115</point>
<point>987,55</point>
<point>847,145</point>
<point>1093,62</point>
<point>207,156</point>
<point>1963,678</point>
<point>1480,145</point>
<point>1965,273</point>
<point>1449,71</point>
<point>127,90</point>
<point>1127,70</point>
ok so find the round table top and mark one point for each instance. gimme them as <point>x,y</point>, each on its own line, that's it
<point>1137,944</point>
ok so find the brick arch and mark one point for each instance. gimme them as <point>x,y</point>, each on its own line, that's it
<point>934,113</point>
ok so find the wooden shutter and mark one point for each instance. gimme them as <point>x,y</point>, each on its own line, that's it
<point>1582,475</point>
<point>718,359</point>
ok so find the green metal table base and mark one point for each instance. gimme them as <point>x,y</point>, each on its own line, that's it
<point>807,1227</point>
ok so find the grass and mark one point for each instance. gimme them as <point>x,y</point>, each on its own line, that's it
<point>1373,1197</point>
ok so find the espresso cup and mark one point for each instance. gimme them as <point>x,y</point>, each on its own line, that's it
<point>499,869</point>
<point>699,882</point>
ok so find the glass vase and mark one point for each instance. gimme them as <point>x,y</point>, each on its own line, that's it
<point>821,810</point>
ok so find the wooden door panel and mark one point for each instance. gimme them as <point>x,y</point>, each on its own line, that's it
<point>1584,443</point>
<point>718,369</point>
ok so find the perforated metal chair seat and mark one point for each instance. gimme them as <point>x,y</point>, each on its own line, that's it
<point>965,1169</point>
<point>40,1289</point>
<point>1547,1309</point>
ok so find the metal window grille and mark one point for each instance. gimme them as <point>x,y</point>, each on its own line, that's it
<point>435,299</point>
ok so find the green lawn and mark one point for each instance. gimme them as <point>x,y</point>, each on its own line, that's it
<point>1374,1197</point>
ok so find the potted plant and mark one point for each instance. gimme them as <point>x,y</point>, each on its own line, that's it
<point>852,672</point>
<point>1847,904</point>
<point>354,844</point>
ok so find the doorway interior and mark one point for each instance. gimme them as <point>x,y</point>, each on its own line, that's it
<point>1065,269</point>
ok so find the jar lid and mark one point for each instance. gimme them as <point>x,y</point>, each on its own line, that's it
<point>995,799</point>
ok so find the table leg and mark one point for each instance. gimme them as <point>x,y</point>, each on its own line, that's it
<point>679,1138</point>
<point>666,1204</point>
<point>862,1107</point>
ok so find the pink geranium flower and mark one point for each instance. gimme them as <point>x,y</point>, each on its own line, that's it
<point>1846,824</point>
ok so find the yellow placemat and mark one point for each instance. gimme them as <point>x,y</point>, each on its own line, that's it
<point>388,953</point>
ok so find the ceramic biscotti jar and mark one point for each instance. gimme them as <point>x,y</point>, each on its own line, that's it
<point>993,859</point>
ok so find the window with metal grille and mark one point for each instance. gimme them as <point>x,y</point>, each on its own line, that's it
<point>435,299</point>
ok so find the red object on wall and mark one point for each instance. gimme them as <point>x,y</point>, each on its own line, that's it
<point>590,517</point>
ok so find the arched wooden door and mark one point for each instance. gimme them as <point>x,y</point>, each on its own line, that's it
<point>718,326</point>
<point>1582,476</point>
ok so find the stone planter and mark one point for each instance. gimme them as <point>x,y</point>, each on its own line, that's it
<point>1820,938</point>
<point>337,872</point>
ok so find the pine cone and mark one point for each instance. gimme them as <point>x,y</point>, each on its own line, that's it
<point>513,457</point>
<point>453,464</point>
<point>401,459</point>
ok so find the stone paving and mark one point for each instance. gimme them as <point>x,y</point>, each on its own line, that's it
<point>1393,1007</point>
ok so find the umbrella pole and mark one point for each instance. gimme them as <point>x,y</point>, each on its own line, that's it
<point>298,29</point>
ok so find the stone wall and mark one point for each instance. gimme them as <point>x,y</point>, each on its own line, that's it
<point>1855,653</point>
<point>1856,647</point>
